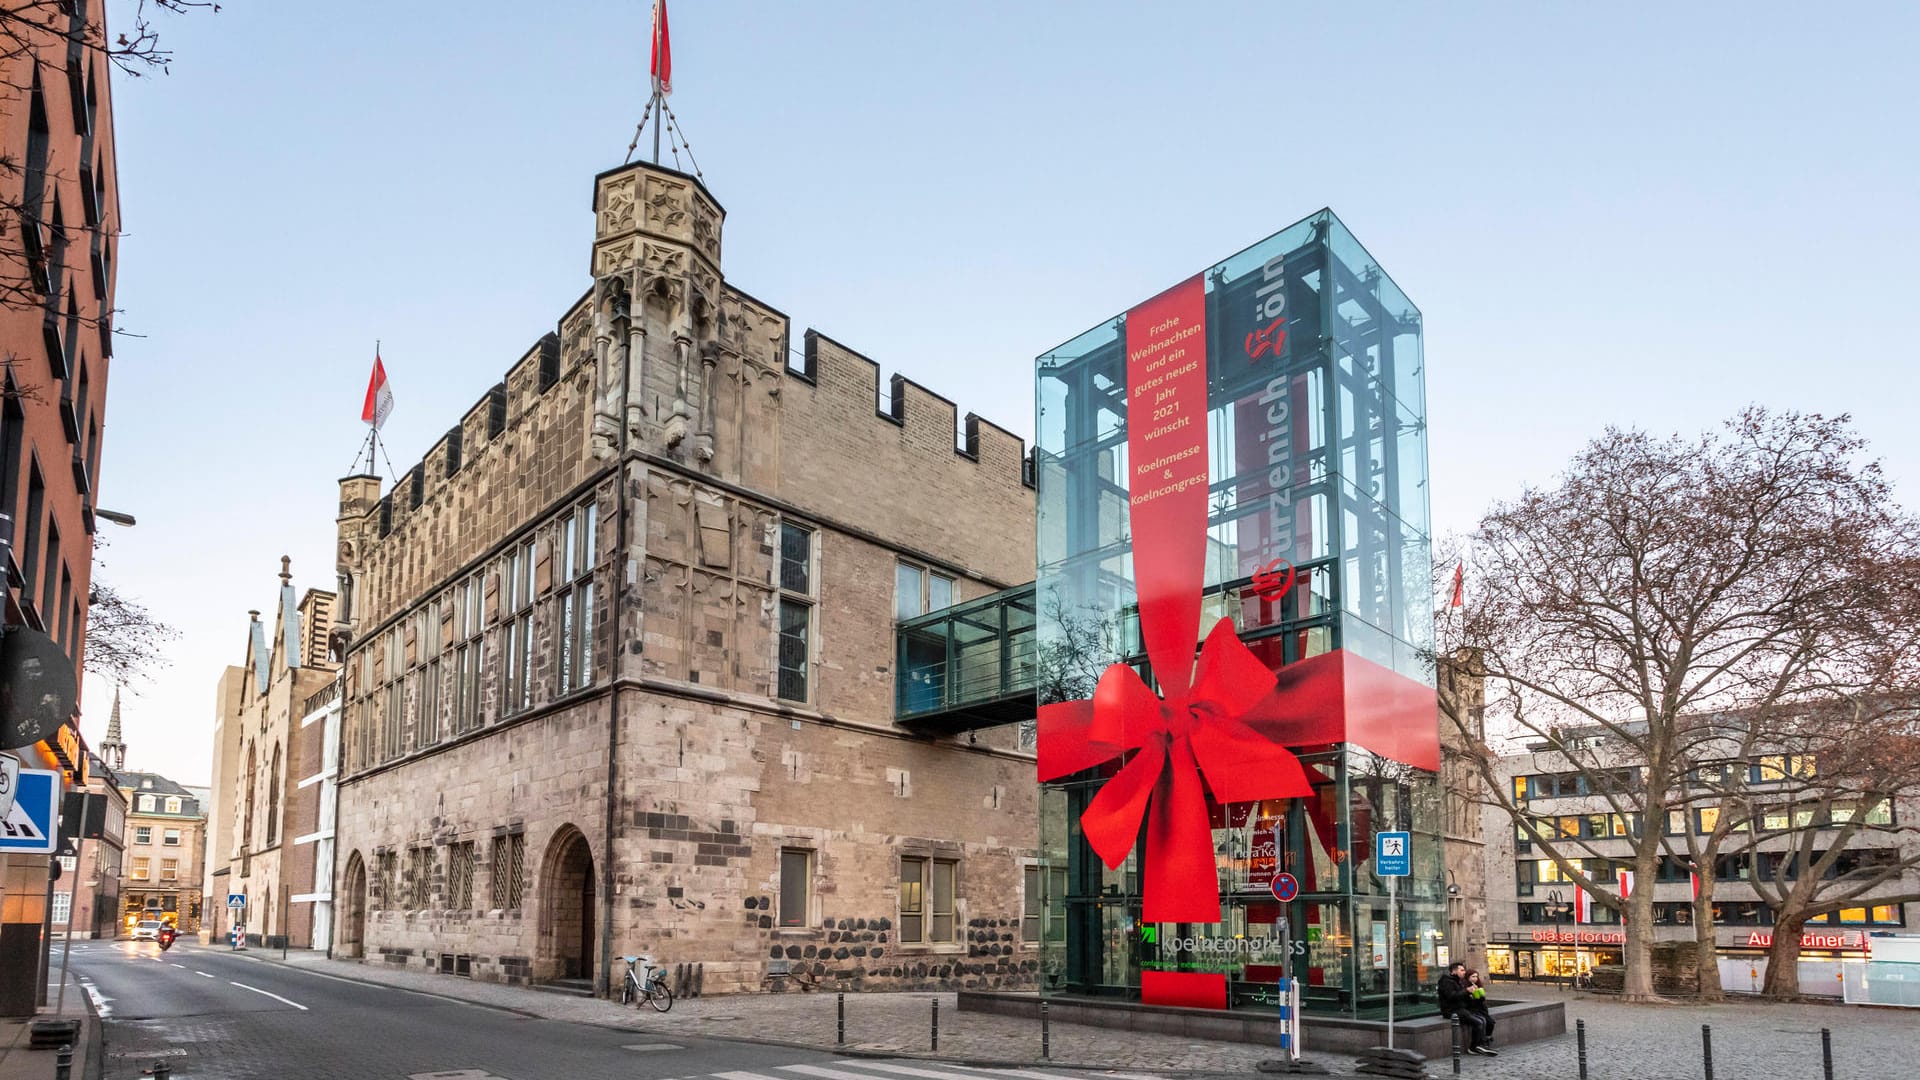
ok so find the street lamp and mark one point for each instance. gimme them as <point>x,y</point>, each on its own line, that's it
<point>1555,908</point>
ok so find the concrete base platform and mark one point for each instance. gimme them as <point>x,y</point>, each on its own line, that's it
<point>1514,1022</point>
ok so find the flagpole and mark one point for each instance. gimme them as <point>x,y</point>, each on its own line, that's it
<point>658,120</point>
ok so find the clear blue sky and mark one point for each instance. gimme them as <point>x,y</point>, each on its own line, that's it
<point>1636,214</point>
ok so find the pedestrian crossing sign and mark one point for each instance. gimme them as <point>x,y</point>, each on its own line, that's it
<point>31,825</point>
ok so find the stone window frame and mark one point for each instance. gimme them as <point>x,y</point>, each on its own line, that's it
<point>516,625</point>
<point>1044,872</point>
<point>506,869</point>
<point>804,601</point>
<point>393,690</point>
<point>428,672</point>
<point>143,834</point>
<point>420,862</point>
<point>577,548</point>
<point>810,869</point>
<point>141,866</point>
<point>929,857</point>
<point>925,576</point>
<point>469,653</point>
<point>170,837</point>
<point>460,859</point>
<point>173,804</point>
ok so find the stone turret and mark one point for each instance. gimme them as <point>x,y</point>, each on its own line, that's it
<point>113,748</point>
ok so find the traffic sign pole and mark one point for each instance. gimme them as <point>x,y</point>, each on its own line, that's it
<point>1393,860</point>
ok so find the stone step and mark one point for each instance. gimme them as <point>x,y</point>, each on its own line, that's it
<point>570,987</point>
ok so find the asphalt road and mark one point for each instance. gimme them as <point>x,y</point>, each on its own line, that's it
<point>210,1013</point>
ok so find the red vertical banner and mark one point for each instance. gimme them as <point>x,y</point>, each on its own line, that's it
<point>1167,474</point>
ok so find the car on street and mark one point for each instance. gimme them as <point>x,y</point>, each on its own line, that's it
<point>147,930</point>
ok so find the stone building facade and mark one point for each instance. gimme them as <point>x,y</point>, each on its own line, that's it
<point>1463,735</point>
<point>263,822</point>
<point>165,844</point>
<point>620,660</point>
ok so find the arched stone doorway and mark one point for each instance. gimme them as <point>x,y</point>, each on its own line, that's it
<point>566,897</point>
<point>353,910</point>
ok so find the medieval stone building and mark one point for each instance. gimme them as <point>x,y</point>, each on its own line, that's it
<point>269,839</point>
<point>621,656</point>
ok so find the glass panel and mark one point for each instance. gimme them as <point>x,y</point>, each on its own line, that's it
<point>939,592</point>
<point>906,592</point>
<point>796,559</point>
<point>942,890</point>
<point>795,874</point>
<point>795,619</point>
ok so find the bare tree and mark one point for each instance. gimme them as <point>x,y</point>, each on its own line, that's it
<point>1662,585</point>
<point>41,42</point>
<point>124,640</point>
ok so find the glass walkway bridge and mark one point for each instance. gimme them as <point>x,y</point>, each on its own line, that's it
<point>969,666</point>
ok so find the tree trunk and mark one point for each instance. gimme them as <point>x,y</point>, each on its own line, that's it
<point>1783,961</point>
<point>1706,951</point>
<point>1638,953</point>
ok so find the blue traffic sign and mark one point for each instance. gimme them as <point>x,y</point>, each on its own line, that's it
<point>1285,887</point>
<point>235,899</point>
<point>32,825</point>
<point>1392,854</point>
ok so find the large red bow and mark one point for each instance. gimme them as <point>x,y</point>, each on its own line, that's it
<point>1177,741</point>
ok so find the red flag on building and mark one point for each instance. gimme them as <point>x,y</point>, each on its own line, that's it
<point>662,52</point>
<point>1459,585</point>
<point>379,396</point>
<point>1582,906</point>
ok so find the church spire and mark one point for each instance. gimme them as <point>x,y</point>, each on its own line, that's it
<point>113,749</point>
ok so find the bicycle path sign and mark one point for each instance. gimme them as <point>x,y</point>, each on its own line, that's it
<point>31,826</point>
<point>1392,854</point>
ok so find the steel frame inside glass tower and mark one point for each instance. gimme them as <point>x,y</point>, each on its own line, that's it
<point>1316,439</point>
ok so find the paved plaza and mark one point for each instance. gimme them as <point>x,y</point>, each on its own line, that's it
<point>1625,1042</point>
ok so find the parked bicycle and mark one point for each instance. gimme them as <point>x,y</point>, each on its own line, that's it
<point>647,982</point>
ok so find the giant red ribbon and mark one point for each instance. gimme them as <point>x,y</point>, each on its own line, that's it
<point>1193,729</point>
<point>1176,741</point>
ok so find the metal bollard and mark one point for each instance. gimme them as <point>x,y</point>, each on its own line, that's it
<point>1706,1048</point>
<point>1580,1040</point>
<point>1046,1039</point>
<point>162,1070</point>
<point>1826,1052</point>
<point>840,1036</point>
<point>1455,1022</point>
<point>63,1063</point>
<point>935,1041</point>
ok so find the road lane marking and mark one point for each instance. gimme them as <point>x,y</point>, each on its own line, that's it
<point>764,1076</point>
<point>203,974</point>
<point>653,1046</point>
<point>827,1074</point>
<point>268,993</point>
<point>926,1074</point>
<point>182,966</point>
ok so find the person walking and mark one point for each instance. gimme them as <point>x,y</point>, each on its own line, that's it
<point>1453,1003</point>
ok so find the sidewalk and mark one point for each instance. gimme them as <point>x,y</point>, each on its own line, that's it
<point>17,1062</point>
<point>893,1024</point>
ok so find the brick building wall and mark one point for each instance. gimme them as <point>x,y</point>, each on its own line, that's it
<point>57,264</point>
<point>573,726</point>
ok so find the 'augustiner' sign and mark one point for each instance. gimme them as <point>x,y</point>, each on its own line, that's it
<point>1846,939</point>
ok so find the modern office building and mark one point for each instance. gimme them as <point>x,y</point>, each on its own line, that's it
<point>1241,459</point>
<point>1540,928</point>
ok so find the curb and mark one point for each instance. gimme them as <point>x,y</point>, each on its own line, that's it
<point>843,1051</point>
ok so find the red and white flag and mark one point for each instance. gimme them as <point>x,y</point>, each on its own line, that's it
<point>379,396</point>
<point>1626,884</point>
<point>1459,585</point>
<point>1582,906</point>
<point>662,50</point>
<point>1695,879</point>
